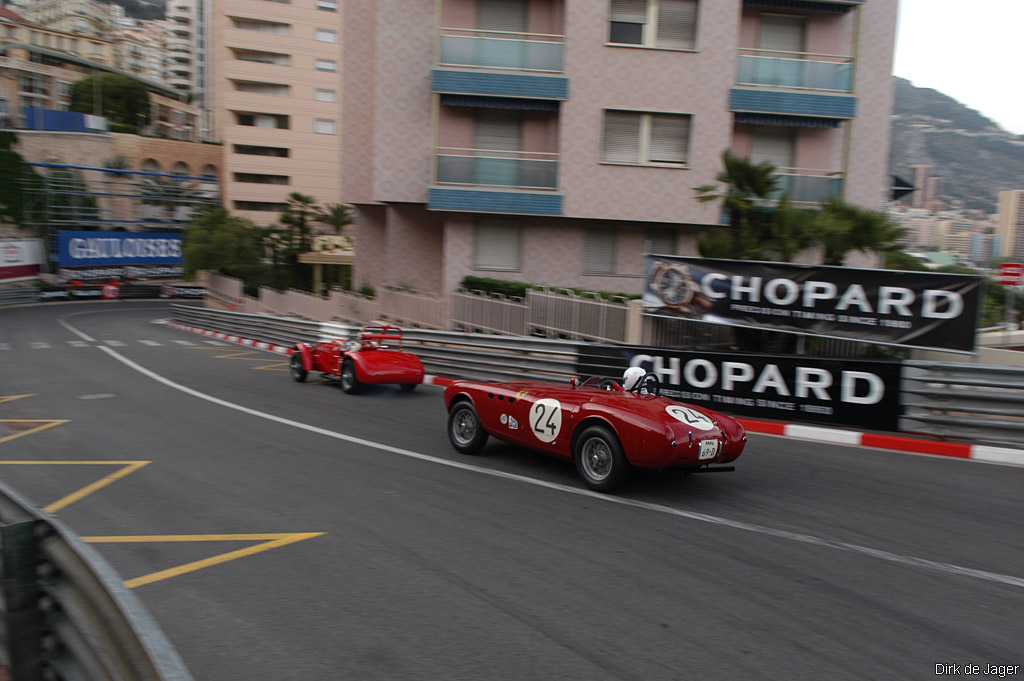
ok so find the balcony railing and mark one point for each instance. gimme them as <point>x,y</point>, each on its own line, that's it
<point>804,185</point>
<point>798,70</point>
<point>500,50</point>
<point>492,168</point>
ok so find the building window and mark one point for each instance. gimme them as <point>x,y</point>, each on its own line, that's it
<point>265,206</point>
<point>262,26</point>
<point>258,120</point>
<point>276,89</point>
<point>497,245</point>
<point>256,178</point>
<point>327,5</point>
<point>324,126</point>
<point>253,150</point>
<point>325,95</point>
<point>646,138</point>
<point>599,251</point>
<point>326,65</point>
<point>325,35</point>
<point>667,24</point>
<point>263,57</point>
<point>660,241</point>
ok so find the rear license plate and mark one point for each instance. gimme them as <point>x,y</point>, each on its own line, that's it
<point>708,449</point>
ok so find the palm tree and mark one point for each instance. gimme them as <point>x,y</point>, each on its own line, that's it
<point>747,185</point>
<point>841,227</point>
<point>302,209</point>
<point>336,216</point>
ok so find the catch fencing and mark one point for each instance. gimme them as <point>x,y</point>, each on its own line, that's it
<point>959,401</point>
<point>64,613</point>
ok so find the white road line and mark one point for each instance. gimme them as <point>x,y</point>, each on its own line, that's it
<point>217,343</point>
<point>5,346</point>
<point>78,344</point>
<point>151,343</point>
<point>39,345</point>
<point>115,343</point>
<point>891,557</point>
<point>184,342</point>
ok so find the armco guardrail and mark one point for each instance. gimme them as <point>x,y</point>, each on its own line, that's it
<point>65,614</point>
<point>973,402</point>
<point>18,295</point>
<point>449,353</point>
<point>983,402</point>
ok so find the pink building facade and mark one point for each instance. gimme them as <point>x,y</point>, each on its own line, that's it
<point>556,142</point>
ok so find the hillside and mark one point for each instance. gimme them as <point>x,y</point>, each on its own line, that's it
<point>973,156</point>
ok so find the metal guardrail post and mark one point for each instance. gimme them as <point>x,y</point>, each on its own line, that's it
<point>23,621</point>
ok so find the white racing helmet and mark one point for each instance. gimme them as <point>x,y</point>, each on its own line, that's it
<point>632,377</point>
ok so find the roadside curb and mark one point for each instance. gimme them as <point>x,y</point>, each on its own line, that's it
<point>897,443</point>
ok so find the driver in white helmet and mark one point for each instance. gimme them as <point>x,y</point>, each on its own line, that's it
<point>631,380</point>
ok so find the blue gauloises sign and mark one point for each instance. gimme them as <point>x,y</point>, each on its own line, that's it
<point>92,249</point>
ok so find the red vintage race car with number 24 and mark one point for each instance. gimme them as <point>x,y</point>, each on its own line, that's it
<point>603,427</point>
<point>374,356</point>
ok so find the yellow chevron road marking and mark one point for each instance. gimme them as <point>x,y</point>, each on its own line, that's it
<point>269,541</point>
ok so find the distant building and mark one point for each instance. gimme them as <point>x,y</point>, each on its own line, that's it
<point>1011,224</point>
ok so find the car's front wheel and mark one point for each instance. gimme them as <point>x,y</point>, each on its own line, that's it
<point>464,429</point>
<point>349,383</point>
<point>599,459</point>
<point>295,367</point>
<point>407,387</point>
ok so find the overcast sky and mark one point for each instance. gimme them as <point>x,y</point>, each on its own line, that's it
<point>971,50</point>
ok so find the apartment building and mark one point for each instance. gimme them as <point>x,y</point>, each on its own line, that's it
<point>276,88</point>
<point>555,141</point>
<point>1010,224</point>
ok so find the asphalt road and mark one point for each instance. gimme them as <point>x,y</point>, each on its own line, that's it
<point>350,541</point>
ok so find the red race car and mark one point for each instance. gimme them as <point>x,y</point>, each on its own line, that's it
<point>374,356</point>
<point>604,426</point>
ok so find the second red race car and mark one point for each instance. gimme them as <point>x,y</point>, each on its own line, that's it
<point>374,356</point>
<point>603,426</point>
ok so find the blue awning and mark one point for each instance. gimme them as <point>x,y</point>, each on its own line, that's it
<point>803,5</point>
<point>479,102</point>
<point>794,121</point>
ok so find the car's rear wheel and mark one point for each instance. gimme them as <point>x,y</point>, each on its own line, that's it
<point>295,367</point>
<point>349,383</point>
<point>407,387</point>
<point>599,459</point>
<point>464,429</point>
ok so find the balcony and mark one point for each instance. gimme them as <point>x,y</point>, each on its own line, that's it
<point>516,182</point>
<point>500,63</point>
<point>833,6</point>
<point>808,186</point>
<point>795,70</point>
<point>500,50</point>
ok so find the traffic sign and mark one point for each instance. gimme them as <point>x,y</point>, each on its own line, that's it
<point>1011,274</point>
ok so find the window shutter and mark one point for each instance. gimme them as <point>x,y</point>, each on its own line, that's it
<point>661,242</point>
<point>599,251</point>
<point>774,144</point>
<point>670,139</point>
<point>498,130</point>
<point>631,11</point>
<point>677,24</point>
<point>501,15</point>
<point>621,137</point>
<point>781,32</point>
<point>497,244</point>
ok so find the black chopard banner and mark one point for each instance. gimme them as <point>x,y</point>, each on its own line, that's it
<point>921,309</point>
<point>861,393</point>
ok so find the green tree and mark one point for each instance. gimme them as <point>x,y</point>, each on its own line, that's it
<point>743,187</point>
<point>302,210</point>
<point>122,99</point>
<point>217,241</point>
<point>336,216</point>
<point>15,176</point>
<point>840,228</point>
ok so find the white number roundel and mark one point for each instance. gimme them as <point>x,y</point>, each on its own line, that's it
<point>546,419</point>
<point>690,417</point>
